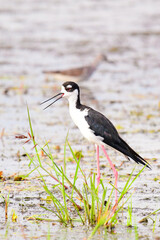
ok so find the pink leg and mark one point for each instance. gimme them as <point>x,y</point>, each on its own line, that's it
<point>98,169</point>
<point>114,170</point>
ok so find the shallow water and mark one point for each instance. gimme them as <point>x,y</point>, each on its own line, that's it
<point>38,36</point>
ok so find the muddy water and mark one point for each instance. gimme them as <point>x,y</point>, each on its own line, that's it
<point>37,36</point>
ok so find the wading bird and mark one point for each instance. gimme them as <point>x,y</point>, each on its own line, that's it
<point>79,73</point>
<point>96,128</point>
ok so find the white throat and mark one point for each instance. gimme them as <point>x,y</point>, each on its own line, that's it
<point>72,100</point>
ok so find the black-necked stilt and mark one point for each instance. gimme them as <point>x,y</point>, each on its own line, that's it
<point>80,73</point>
<point>95,127</point>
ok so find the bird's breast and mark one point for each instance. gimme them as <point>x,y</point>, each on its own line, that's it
<point>78,118</point>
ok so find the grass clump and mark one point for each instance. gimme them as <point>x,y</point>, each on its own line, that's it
<point>86,204</point>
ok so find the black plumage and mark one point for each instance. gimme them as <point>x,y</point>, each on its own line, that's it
<point>101,126</point>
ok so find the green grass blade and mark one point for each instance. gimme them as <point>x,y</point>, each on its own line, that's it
<point>76,161</point>
<point>32,135</point>
<point>65,152</point>
<point>75,175</point>
<point>64,198</point>
<point>145,218</point>
<point>129,216</point>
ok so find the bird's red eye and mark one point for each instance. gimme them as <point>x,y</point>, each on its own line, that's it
<point>69,89</point>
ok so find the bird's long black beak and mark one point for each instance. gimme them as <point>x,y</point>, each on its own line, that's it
<point>59,94</point>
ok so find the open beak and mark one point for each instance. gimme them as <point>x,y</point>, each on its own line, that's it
<point>59,94</point>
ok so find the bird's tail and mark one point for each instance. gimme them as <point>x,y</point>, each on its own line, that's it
<point>124,148</point>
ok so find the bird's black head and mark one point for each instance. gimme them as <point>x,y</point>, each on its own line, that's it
<point>69,90</point>
<point>70,86</point>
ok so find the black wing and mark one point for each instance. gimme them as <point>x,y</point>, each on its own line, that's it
<point>102,126</point>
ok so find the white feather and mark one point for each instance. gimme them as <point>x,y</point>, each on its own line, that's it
<point>78,117</point>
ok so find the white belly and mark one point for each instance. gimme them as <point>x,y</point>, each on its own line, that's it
<point>78,118</point>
